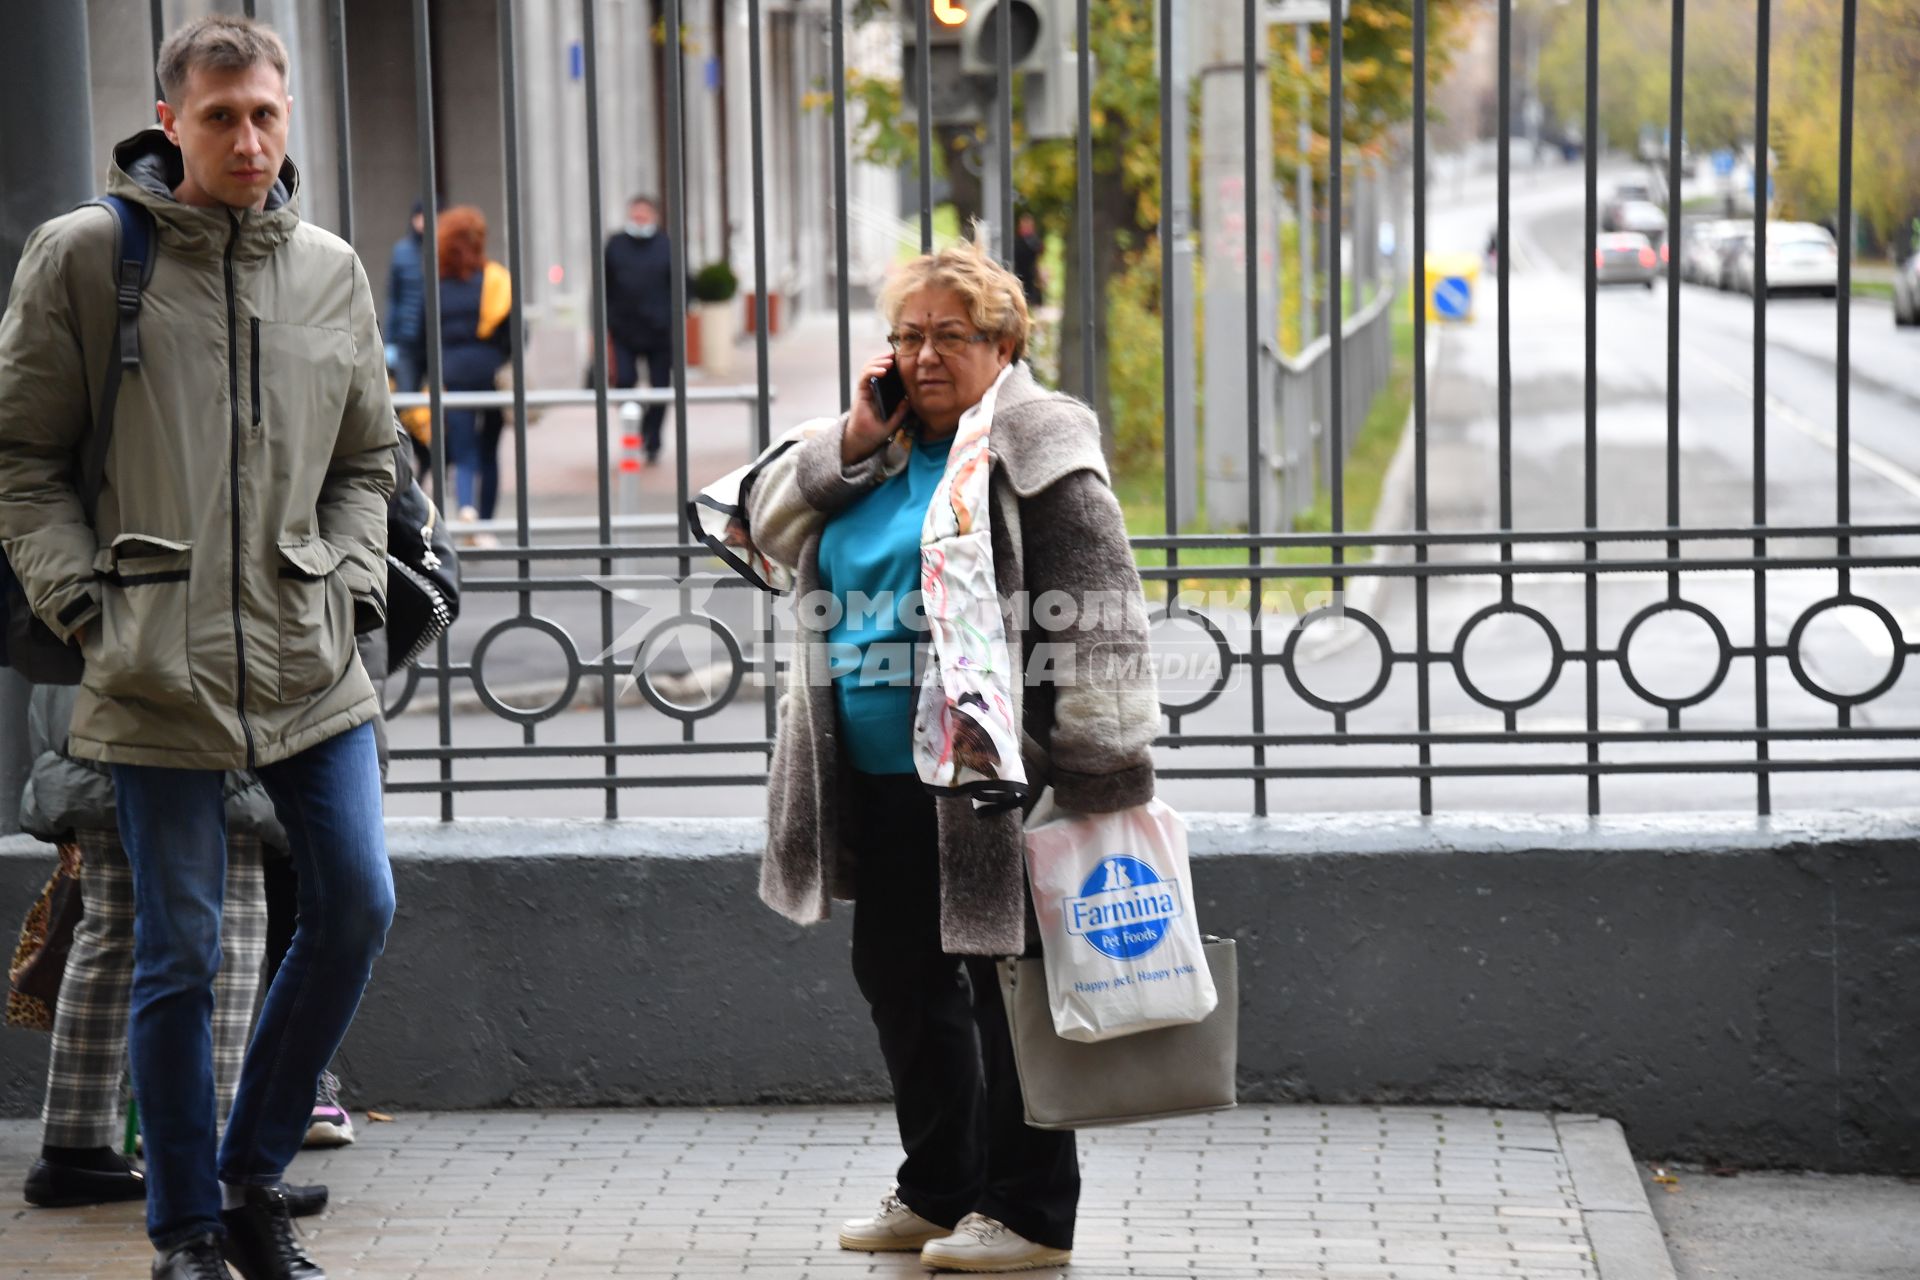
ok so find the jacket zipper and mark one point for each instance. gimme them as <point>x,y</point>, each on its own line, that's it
<point>254,324</point>
<point>233,481</point>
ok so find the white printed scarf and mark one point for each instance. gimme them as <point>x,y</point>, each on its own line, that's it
<point>965,738</point>
<point>964,735</point>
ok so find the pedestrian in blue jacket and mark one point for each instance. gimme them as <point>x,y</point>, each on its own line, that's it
<point>407,307</point>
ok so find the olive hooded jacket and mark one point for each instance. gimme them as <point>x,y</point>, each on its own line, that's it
<point>239,541</point>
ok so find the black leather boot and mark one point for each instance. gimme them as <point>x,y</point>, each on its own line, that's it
<point>305,1202</point>
<point>196,1259</point>
<point>55,1184</point>
<point>260,1240</point>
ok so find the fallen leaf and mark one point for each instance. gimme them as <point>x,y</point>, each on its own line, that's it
<point>379,1117</point>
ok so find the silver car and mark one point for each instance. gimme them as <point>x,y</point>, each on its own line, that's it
<point>1906,292</point>
<point>1625,257</point>
<point>1700,250</point>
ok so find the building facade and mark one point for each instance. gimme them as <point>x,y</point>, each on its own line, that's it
<point>469,141</point>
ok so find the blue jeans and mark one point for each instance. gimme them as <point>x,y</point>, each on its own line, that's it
<point>173,824</point>
<point>473,450</point>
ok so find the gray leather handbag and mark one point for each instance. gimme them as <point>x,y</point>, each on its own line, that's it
<point>1152,1075</point>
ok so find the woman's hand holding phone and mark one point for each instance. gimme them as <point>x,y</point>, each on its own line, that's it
<point>867,430</point>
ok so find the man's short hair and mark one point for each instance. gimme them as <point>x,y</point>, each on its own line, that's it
<point>645,199</point>
<point>218,43</point>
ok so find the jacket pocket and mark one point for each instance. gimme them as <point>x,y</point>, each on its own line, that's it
<point>316,618</point>
<point>254,324</point>
<point>139,647</point>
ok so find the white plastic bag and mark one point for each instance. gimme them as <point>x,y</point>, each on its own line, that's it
<point>1115,903</point>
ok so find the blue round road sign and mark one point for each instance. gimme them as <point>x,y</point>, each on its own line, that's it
<point>1453,298</point>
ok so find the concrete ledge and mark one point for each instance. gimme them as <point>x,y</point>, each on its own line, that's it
<point>1734,990</point>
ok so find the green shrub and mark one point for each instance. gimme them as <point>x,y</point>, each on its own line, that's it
<point>715,282</point>
<point>1135,365</point>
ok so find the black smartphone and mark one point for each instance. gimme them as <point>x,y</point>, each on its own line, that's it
<point>889,389</point>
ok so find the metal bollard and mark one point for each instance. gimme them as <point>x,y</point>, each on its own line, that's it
<point>630,464</point>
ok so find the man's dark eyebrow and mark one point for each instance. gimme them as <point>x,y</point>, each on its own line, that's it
<point>220,104</point>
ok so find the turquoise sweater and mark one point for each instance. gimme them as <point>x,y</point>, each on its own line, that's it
<point>872,549</point>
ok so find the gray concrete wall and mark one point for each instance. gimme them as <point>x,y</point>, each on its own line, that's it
<point>386,161</point>
<point>467,123</point>
<point>121,75</point>
<point>1731,990</point>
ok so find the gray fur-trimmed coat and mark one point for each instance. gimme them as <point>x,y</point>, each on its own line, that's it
<point>1088,731</point>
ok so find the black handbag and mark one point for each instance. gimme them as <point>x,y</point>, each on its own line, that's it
<point>423,569</point>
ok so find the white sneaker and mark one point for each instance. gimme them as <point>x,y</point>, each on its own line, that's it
<point>981,1244</point>
<point>331,1124</point>
<point>895,1229</point>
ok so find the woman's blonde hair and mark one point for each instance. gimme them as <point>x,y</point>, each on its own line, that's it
<point>995,302</point>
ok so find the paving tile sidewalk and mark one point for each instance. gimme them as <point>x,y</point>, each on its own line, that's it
<point>1358,1192</point>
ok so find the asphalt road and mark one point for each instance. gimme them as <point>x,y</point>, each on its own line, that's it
<point>1540,480</point>
<point>1786,1226</point>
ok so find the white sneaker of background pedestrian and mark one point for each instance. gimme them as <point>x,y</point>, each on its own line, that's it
<point>895,1229</point>
<point>981,1244</point>
<point>481,539</point>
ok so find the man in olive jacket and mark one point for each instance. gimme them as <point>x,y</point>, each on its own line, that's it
<point>237,547</point>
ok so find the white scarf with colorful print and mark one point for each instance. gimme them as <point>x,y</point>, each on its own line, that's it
<point>965,737</point>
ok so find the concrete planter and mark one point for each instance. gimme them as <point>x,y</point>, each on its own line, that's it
<point>719,333</point>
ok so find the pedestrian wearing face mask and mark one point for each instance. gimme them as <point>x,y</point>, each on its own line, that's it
<point>640,315</point>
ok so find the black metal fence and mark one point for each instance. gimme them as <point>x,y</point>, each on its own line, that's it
<point>1262,717</point>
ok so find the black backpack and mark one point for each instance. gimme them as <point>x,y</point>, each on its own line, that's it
<point>27,644</point>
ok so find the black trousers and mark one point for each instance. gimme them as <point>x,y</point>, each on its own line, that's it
<point>943,1033</point>
<point>658,360</point>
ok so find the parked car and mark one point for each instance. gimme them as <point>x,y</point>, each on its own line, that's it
<point>1624,194</point>
<point>1625,257</point>
<point>1609,213</point>
<point>1734,242</point>
<point>1700,250</point>
<point>1643,216</point>
<point>1906,292</point>
<point>1801,258</point>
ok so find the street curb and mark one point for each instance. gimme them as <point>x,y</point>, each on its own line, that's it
<point>1626,1238</point>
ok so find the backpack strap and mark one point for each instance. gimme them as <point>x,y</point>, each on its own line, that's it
<point>133,236</point>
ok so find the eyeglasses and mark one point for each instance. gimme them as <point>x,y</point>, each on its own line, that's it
<point>947,344</point>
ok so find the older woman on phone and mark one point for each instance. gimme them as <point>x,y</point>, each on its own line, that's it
<point>926,707</point>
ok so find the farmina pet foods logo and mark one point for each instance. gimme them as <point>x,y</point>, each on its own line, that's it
<point>1124,908</point>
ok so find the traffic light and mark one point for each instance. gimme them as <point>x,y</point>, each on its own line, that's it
<point>1033,37</point>
<point>956,97</point>
<point>963,51</point>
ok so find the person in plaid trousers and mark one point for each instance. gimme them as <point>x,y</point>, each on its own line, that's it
<point>71,801</point>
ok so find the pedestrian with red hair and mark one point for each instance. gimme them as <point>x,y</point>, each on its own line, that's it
<point>475,340</point>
